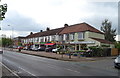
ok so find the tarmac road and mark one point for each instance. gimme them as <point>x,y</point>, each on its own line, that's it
<point>29,65</point>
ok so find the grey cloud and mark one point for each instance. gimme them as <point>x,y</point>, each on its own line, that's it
<point>101,11</point>
<point>20,23</point>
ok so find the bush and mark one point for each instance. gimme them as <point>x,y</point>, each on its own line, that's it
<point>97,51</point>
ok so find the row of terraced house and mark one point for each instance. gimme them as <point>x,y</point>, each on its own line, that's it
<point>78,35</point>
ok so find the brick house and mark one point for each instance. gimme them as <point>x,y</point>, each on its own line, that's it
<point>83,35</point>
<point>78,35</point>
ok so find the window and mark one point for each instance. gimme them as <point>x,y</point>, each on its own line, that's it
<point>48,38</point>
<point>61,38</point>
<point>80,35</point>
<point>53,38</point>
<point>66,36</point>
<point>37,39</point>
<point>72,36</point>
<point>42,40</point>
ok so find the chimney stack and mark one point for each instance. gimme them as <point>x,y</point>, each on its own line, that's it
<point>41,30</point>
<point>66,25</point>
<point>31,33</point>
<point>47,29</point>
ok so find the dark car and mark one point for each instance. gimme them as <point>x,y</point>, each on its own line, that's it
<point>41,48</point>
<point>1,51</point>
<point>117,62</point>
<point>48,49</point>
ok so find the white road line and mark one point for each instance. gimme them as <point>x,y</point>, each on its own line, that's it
<point>27,71</point>
<point>22,69</point>
<point>72,70</point>
<point>10,70</point>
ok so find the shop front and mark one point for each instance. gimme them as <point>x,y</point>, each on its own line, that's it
<point>80,45</point>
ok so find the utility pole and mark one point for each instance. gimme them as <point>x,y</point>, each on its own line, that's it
<point>12,36</point>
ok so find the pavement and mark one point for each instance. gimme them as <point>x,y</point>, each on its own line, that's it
<point>7,73</point>
<point>60,57</point>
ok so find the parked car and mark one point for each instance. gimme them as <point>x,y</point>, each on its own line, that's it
<point>34,48</point>
<point>1,51</point>
<point>48,49</point>
<point>25,48</point>
<point>30,47</point>
<point>55,50</point>
<point>117,62</point>
<point>41,48</point>
<point>14,47</point>
<point>19,47</point>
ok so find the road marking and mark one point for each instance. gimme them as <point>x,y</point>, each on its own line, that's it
<point>27,71</point>
<point>10,70</point>
<point>22,68</point>
<point>72,70</point>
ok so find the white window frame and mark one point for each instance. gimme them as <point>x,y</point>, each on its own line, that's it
<point>80,35</point>
<point>72,36</point>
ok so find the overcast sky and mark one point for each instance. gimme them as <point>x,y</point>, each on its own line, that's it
<point>25,16</point>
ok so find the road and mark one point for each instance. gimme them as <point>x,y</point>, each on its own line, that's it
<point>29,65</point>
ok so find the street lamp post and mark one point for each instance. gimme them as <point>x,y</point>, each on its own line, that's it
<point>12,36</point>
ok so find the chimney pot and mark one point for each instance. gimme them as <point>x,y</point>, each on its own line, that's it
<point>66,25</point>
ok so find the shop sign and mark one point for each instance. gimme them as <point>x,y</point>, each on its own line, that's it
<point>83,42</point>
<point>42,43</point>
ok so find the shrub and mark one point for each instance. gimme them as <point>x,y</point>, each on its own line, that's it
<point>97,51</point>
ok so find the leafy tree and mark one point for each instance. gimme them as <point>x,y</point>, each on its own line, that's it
<point>6,42</point>
<point>19,44</point>
<point>3,10</point>
<point>108,31</point>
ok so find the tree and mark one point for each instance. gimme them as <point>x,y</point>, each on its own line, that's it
<point>6,42</point>
<point>108,31</point>
<point>3,10</point>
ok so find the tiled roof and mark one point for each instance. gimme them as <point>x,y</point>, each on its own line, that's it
<point>68,29</point>
<point>46,33</point>
<point>101,40</point>
<point>82,27</point>
<point>20,37</point>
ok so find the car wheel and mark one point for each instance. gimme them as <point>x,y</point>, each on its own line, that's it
<point>115,67</point>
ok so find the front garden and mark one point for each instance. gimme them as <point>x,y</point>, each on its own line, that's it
<point>86,52</point>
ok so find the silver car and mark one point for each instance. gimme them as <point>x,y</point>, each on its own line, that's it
<point>117,62</point>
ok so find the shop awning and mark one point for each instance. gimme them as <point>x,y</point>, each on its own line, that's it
<point>49,43</point>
